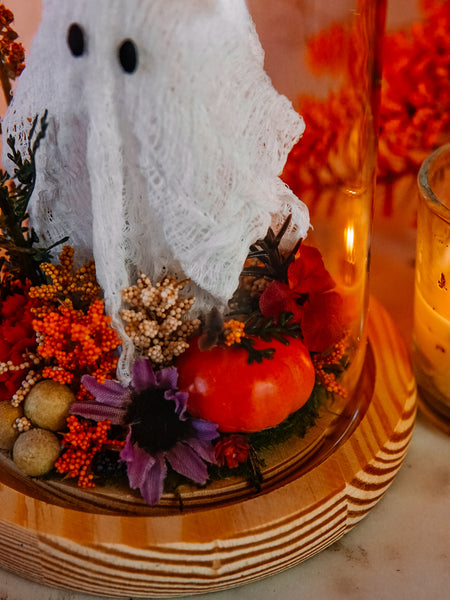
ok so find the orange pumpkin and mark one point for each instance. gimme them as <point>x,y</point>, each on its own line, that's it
<point>238,396</point>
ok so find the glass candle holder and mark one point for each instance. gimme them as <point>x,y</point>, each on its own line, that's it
<point>431,346</point>
<point>276,340</point>
<point>326,60</point>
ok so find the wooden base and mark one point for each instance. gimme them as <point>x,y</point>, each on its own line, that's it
<point>239,537</point>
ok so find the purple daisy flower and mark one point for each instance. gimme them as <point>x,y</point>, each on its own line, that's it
<point>160,431</point>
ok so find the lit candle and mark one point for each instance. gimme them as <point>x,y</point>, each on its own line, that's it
<point>431,349</point>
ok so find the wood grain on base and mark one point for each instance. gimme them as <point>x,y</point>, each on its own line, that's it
<point>216,545</point>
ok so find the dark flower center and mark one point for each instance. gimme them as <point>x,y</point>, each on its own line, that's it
<point>155,426</point>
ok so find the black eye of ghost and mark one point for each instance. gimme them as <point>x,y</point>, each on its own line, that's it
<point>75,39</point>
<point>128,57</point>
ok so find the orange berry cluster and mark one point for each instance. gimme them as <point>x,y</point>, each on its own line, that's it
<point>67,288</point>
<point>81,443</point>
<point>76,342</point>
<point>234,332</point>
<point>327,378</point>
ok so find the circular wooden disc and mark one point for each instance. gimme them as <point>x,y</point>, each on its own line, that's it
<point>226,536</point>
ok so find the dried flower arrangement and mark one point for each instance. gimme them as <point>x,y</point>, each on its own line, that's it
<point>180,412</point>
<point>204,395</point>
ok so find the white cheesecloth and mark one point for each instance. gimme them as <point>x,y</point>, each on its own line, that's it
<point>173,168</point>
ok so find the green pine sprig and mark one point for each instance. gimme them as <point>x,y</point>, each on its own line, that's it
<point>271,262</point>
<point>22,257</point>
<point>25,169</point>
<point>255,354</point>
<point>268,329</point>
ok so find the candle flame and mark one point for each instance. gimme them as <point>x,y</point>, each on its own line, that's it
<point>349,234</point>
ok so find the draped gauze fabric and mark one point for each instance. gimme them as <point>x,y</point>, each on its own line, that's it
<point>172,168</point>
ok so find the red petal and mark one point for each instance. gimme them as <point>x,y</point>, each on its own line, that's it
<point>307,274</point>
<point>12,306</point>
<point>9,351</point>
<point>322,324</point>
<point>278,298</point>
<point>14,334</point>
<point>10,383</point>
<point>4,393</point>
<point>18,349</point>
<point>5,349</point>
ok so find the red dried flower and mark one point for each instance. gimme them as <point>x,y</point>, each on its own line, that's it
<point>232,450</point>
<point>322,322</point>
<point>278,298</point>
<point>338,49</point>
<point>415,101</point>
<point>12,54</point>
<point>322,156</point>
<point>307,274</point>
<point>17,337</point>
<point>310,298</point>
<point>6,16</point>
<point>414,109</point>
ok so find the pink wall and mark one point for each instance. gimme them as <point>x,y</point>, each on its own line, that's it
<point>27,15</point>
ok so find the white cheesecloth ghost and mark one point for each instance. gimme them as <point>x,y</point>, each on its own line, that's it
<point>171,168</point>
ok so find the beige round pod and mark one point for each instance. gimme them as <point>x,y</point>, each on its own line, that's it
<point>36,451</point>
<point>8,416</point>
<point>47,404</point>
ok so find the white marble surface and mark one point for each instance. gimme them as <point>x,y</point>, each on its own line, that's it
<point>400,550</point>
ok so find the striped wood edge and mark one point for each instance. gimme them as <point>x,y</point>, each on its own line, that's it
<point>215,548</point>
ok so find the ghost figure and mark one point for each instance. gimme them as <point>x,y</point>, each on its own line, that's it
<point>165,143</point>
